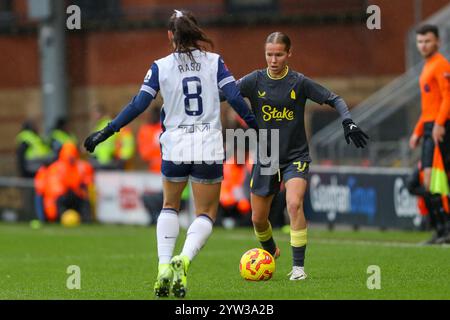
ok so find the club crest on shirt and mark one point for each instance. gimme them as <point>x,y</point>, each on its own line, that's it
<point>293,95</point>
<point>148,75</point>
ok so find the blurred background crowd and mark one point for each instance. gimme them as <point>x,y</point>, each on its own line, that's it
<point>58,84</point>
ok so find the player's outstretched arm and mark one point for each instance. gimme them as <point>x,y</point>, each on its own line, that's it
<point>137,105</point>
<point>351,131</point>
<point>229,90</point>
<point>354,133</point>
<point>237,102</point>
<point>320,95</point>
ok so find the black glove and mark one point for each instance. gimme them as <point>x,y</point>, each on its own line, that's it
<point>97,137</point>
<point>351,131</point>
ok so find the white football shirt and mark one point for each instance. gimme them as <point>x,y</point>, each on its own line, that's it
<point>190,115</point>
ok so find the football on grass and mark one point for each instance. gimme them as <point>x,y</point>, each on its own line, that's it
<point>257,265</point>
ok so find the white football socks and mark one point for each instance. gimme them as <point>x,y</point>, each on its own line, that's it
<point>167,230</point>
<point>197,234</point>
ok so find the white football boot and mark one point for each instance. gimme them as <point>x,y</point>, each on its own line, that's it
<point>297,273</point>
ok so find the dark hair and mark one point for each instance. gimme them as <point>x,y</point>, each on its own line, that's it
<point>29,125</point>
<point>424,29</point>
<point>279,37</point>
<point>60,123</point>
<point>187,34</point>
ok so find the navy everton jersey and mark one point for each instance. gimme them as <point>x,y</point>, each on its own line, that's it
<point>280,104</point>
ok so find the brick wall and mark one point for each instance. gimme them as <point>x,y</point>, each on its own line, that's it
<point>108,67</point>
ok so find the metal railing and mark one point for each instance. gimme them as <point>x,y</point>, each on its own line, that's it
<point>16,199</point>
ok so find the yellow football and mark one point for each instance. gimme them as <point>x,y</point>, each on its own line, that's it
<point>70,218</point>
<point>257,265</point>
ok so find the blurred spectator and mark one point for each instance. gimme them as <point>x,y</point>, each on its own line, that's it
<point>148,141</point>
<point>60,135</point>
<point>39,187</point>
<point>149,150</point>
<point>125,148</point>
<point>153,202</point>
<point>31,151</point>
<point>103,156</point>
<point>87,173</point>
<point>116,152</point>
<point>234,203</point>
<point>64,185</point>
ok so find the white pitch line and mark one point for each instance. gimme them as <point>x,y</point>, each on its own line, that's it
<point>379,243</point>
<point>334,241</point>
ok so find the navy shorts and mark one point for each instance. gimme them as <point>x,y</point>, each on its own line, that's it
<point>265,185</point>
<point>197,172</point>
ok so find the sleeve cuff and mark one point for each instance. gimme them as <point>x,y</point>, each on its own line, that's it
<point>418,131</point>
<point>149,90</point>
<point>226,81</point>
<point>441,119</point>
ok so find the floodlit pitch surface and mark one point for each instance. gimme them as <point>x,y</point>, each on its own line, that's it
<point>120,262</point>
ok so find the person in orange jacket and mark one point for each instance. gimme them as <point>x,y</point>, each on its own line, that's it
<point>150,151</point>
<point>66,185</point>
<point>87,173</point>
<point>234,201</point>
<point>39,188</point>
<point>433,126</point>
<point>148,141</point>
<point>232,193</point>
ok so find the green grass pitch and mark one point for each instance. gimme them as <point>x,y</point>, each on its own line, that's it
<point>119,262</point>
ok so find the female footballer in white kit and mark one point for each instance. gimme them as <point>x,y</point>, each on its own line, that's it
<point>191,143</point>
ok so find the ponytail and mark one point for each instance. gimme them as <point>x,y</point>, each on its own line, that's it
<point>187,35</point>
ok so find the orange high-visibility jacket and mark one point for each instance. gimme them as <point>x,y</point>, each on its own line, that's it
<point>40,180</point>
<point>233,177</point>
<point>435,92</point>
<point>86,171</point>
<point>149,147</point>
<point>61,176</point>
